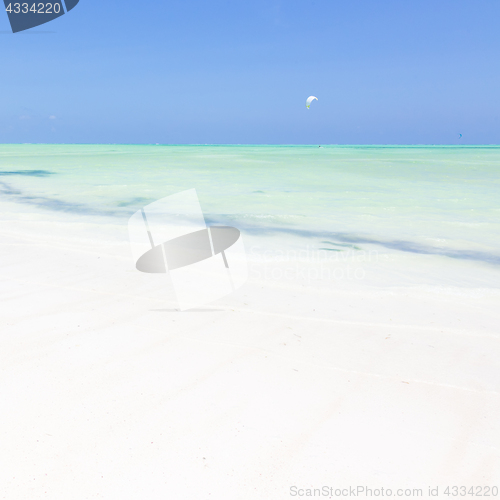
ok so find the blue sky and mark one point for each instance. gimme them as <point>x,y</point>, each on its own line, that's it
<point>385,72</point>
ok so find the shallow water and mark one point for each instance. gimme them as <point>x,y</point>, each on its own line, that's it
<point>440,201</point>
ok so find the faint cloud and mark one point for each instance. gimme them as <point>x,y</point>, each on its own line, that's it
<point>24,117</point>
<point>52,117</point>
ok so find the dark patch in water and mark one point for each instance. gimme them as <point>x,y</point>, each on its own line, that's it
<point>348,238</point>
<point>31,173</point>
<point>53,203</point>
<point>133,201</point>
<point>341,245</point>
<point>332,249</point>
<point>402,245</point>
<point>6,189</point>
<point>262,192</point>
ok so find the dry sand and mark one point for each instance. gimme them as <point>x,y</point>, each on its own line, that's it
<point>106,391</point>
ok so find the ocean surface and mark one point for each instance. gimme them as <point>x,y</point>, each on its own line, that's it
<point>434,210</point>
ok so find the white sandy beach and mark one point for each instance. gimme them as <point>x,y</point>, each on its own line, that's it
<point>108,392</point>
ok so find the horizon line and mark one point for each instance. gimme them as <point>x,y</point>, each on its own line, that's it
<point>238,144</point>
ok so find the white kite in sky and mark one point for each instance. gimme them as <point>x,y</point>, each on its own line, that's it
<point>310,99</point>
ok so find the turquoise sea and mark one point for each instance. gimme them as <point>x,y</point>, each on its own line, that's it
<point>438,202</point>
